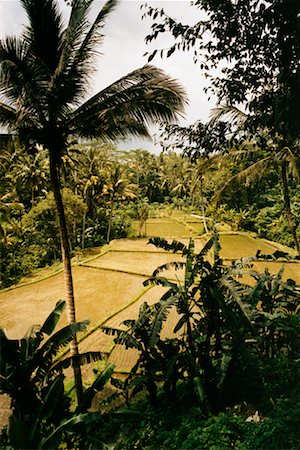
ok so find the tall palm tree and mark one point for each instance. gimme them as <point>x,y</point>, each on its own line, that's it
<point>44,78</point>
<point>280,155</point>
<point>117,186</point>
<point>30,174</point>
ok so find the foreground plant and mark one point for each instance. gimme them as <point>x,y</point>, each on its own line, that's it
<point>31,373</point>
<point>226,330</point>
<point>44,78</point>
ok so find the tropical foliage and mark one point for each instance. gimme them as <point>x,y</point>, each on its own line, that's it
<point>45,76</point>
<point>31,373</point>
<point>225,330</point>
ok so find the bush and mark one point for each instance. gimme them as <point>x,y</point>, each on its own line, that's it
<point>281,429</point>
<point>121,224</point>
<point>16,261</point>
<point>184,429</point>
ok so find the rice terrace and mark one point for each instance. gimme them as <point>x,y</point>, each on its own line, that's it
<point>109,284</point>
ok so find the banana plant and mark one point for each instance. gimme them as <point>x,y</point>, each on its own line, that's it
<point>214,317</point>
<point>31,373</point>
<point>279,313</point>
<point>143,334</point>
<point>40,434</point>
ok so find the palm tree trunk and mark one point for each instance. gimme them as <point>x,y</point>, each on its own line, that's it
<point>110,219</point>
<point>83,230</point>
<point>65,250</point>
<point>32,196</point>
<point>287,206</point>
<point>202,205</point>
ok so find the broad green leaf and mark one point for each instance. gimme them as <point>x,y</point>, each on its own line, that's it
<point>51,321</point>
<point>198,386</point>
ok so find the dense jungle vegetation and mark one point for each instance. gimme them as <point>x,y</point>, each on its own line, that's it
<point>105,190</point>
<point>228,376</point>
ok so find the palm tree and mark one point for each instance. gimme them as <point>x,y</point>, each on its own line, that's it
<point>277,154</point>
<point>30,175</point>
<point>8,204</point>
<point>116,186</point>
<point>45,76</point>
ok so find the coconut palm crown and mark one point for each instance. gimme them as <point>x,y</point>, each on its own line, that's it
<point>45,76</point>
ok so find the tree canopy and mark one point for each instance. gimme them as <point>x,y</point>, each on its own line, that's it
<point>256,46</point>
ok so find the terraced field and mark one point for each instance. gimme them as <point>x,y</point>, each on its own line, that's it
<point>109,285</point>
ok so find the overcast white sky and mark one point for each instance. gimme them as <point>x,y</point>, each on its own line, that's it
<point>123,49</point>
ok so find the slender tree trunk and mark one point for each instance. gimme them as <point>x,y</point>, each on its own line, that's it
<point>32,196</point>
<point>110,219</point>
<point>65,250</point>
<point>83,230</point>
<point>202,205</point>
<point>287,206</point>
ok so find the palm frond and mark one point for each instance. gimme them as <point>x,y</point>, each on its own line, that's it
<point>225,362</point>
<point>237,292</point>
<point>110,331</point>
<point>188,275</point>
<point>59,339</point>
<point>45,25</point>
<point>181,322</point>
<point>206,162</point>
<point>125,338</point>
<point>288,156</point>
<point>234,115</point>
<point>122,337</point>
<point>128,322</point>
<point>14,68</point>
<point>43,357</point>
<point>84,56</point>
<point>145,96</point>
<point>208,245</point>
<point>216,247</point>
<point>7,115</point>
<point>97,385</point>
<point>255,170</point>
<point>22,82</point>
<point>69,82</point>
<point>103,377</point>
<point>86,418</point>
<point>51,400</point>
